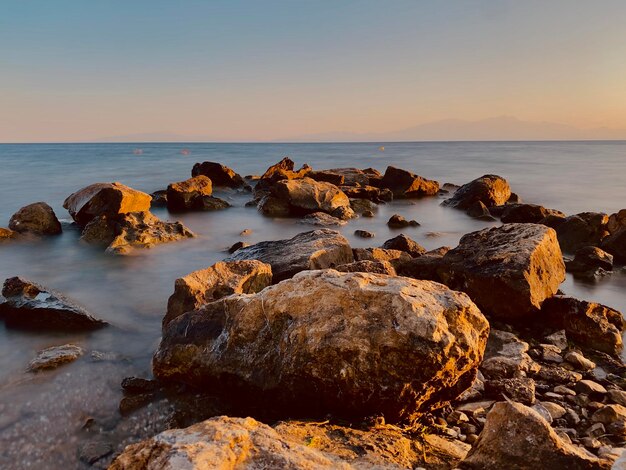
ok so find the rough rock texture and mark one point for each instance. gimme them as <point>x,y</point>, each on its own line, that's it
<point>491,190</point>
<point>105,199</point>
<point>134,230</point>
<point>362,206</point>
<point>317,249</point>
<point>37,218</point>
<point>6,234</point>
<point>354,176</point>
<point>366,266</point>
<point>526,213</point>
<point>580,230</point>
<point>210,203</point>
<point>508,271</point>
<point>51,358</point>
<point>30,306</point>
<point>398,221</point>
<point>322,219</point>
<point>368,192</point>
<point>517,437</point>
<point>327,177</point>
<point>616,222</point>
<point>404,243</point>
<point>186,195</point>
<point>220,175</point>
<point>404,184</point>
<point>587,323</point>
<point>479,210</point>
<point>506,356</point>
<point>201,287</point>
<point>283,170</point>
<point>590,259</point>
<point>616,245</point>
<point>353,344</point>
<point>395,257</point>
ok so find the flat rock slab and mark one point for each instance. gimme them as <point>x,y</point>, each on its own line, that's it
<point>51,358</point>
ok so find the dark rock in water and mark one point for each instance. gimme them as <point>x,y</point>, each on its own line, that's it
<point>491,190</point>
<point>404,243</point>
<point>368,214</point>
<point>425,266</point>
<point>210,203</point>
<point>404,184</point>
<point>139,385</point>
<point>37,218</point>
<point>521,263</point>
<point>92,451</point>
<point>159,198</point>
<point>514,199</point>
<point>397,221</point>
<point>322,219</point>
<point>580,230</point>
<point>361,206</point>
<point>359,352</point>
<point>590,259</point>
<point>327,177</point>
<point>354,176</point>
<point>105,199</point>
<point>220,175</point>
<point>364,234</point>
<point>395,257</point>
<point>184,194</point>
<point>30,306</point>
<point>237,246</point>
<point>478,210</point>
<point>207,285</point>
<point>56,356</point>
<point>616,245</point>
<point>318,249</point>
<point>132,403</point>
<point>588,324</point>
<point>517,389</point>
<point>6,234</point>
<point>553,221</point>
<point>368,192</point>
<point>617,222</point>
<point>367,266</point>
<point>526,213</point>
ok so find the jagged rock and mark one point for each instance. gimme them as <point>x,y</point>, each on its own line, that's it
<point>322,219</point>
<point>616,245</point>
<point>6,234</point>
<point>354,176</point>
<point>133,230</point>
<point>404,184</point>
<point>373,344</point>
<point>521,263</point>
<point>37,218</point>
<point>590,259</point>
<point>557,374</point>
<point>185,195</point>
<point>327,177</point>
<point>366,266</point>
<point>364,234</point>
<point>491,190</point>
<point>51,358</point>
<point>425,266</point>
<point>395,257</point>
<point>517,389</point>
<point>580,230</point>
<point>397,221</point>
<point>506,356</point>
<point>223,278</point>
<point>616,222</point>
<point>404,243</point>
<point>588,324</point>
<point>318,249</point>
<point>105,199</point>
<point>283,170</point>
<point>31,306</point>
<point>527,213</point>
<point>517,437</point>
<point>220,175</point>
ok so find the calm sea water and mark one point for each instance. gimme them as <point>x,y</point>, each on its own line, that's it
<point>131,292</point>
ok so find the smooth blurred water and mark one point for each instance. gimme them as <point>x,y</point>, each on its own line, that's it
<point>131,292</point>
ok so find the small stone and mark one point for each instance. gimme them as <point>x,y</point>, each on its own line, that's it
<point>596,430</point>
<point>245,232</point>
<point>543,411</point>
<point>610,453</point>
<point>609,414</point>
<point>56,356</point>
<point>589,387</point>
<point>139,385</point>
<point>477,407</point>
<point>552,395</point>
<point>572,417</point>
<point>517,389</point>
<point>579,361</point>
<point>551,353</point>
<point>364,234</point>
<point>558,339</point>
<point>457,417</point>
<point>368,214</point>
<point>590,443</point>
<point>93,451</point>
<point>563,390</point>
<point>237,246</point>
<point>397,221</point>
<point>471,439</point>
<point>556,411</point>
<point>617,396</point>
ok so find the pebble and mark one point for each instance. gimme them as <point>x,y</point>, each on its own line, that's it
<point>563,390</point>
<point>457,417</point>
<point>364,234</point>
<point>579,361</point>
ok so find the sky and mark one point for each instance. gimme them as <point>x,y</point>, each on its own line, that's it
<point>77,70</point>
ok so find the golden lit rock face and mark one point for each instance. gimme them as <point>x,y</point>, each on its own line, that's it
<point>183,195</point>
<point>491,190</point>
<point>404,184</point>
<point>352,344</point>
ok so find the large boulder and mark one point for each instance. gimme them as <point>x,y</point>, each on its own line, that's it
<point>37,218</point>
<point>517,437</point>
<point>28,305</point>
<point>491,190</point>
<point>206,285</point>
<point>404,184</point>
<point>105,199</point>
<point>616,245</point>
<point>351,344</point>
<point>317,249</point>
<point>186,195</point>
<point>580,230</point>
<point>220,175</point>
<point>508,271</point>
<point>283,170</point>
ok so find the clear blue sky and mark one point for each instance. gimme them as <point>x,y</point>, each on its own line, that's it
<point>256,70</point>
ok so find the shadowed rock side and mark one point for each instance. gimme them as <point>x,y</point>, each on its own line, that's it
<point>491,190</point>
<point>37,218</point>
<point>219,174</point>
<point>404,184</point>
<point>350,344</point>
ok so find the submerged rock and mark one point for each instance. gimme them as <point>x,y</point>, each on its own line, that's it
<point>508,271</point>
<point>580,230</point>
<point>317,249</point>
<point>527,213</point>
<point>398,221</point>
<point>220,175</point>
<point>404,243</point>
<point>37,218</point>
<point>491,190</point>
<point>321,219</point>
<point>56,356</point>
<point>372,344</point>
<point>364,234</point>
<point>30,306</point>
<point>188,194</point>
<point>589,259</point>
<point>404,184</point>
<point>224,278</point>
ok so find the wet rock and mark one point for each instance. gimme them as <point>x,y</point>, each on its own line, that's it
<point>92,451</point>
<point>580,230</point>
<point>398,221</point>
<point>317,249</point>
<point>321,219</point>
<point>588,324</point>
<point>37,218</point>
<point>491,190</point>
<point>506,356</point>
<point>358,353</point>
<point>425,266</point>
<point>132,403</point>
<point>364,234</point>
<point>396,257</point>
<point>526,213</point>
<point>521,263</point>
<point>220,175</point>
<point>615,244</point>
<point>517,389</point>
<point>6,234</point>
<point>590,259</point>
<point>368,214</point>
<point>184,195</point>
<point>404,184</point>
<point>237,246</point>
<point>105,199</point>
<point>210,203</point>
<point>366,266</point>
<point>221,279</point>
<point>517,437</point>
<point>51,358</point>
<point>159,198</point>
<point>31,306</point>
<point>404,243</point>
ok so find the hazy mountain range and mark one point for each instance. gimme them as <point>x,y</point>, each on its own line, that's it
<point>501,128</point>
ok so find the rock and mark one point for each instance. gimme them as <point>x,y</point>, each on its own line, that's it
<point>590,259</point>
<point>283,170</point>
<point>616,245</point>
<point>517,389</point>
<point>557,374</point>
<point>556,411</point>
<point>133,230</point>
<point>92,451</point>
<point>369,214</point>
<point>596,430</point>
<point>363,206</point>
<point>550,353</point>
<point>51,358</point>
<point>327,177</point>
<point>543,412</point>
<point>475,391</point>
<point>373,345</point>
<point>37,218</point>
<point>516,437</point>
<point>210,203</point>
<point>588,324</point>
<point>367,266</point>
<point>404,184</point>
<point>396,257</point>
<point>30,306</point>
<point>610,415</point>
<point>519,262</point>
<point>139,385</point>
<point>404,243</point>
<point>491,190</point>
<point>478,210</point>
<point>220,175</point>
<point>397,221</point>
<point>368,192</point>
<point>580,230</point>
<point>425,266</point>
<point>185,195</point>
<point>321,219</point>
<point>364,234</point>
<point>558,339</point>
<point>579,361</point>
<point>237,246</point>
<point>616,222</point>
<point>105,199</point>
<point>506,356</point>
<point>6,234</point>
<point>221,279</point>
<point>617,396</point>
<point>318,249</point>
<point>159,198</point>
<point>562,390</point>
<point>526,213</point>
<point>589,387</point>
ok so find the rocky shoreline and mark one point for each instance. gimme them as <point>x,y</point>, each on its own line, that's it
<point>329,356</point>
